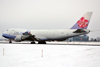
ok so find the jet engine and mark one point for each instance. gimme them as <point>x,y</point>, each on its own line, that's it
<point>19,38</point>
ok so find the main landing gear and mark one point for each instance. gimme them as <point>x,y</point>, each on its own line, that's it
<point>32,42</point>
<point>39,42</point>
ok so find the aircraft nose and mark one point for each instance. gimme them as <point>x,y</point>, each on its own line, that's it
<point>4,35</point>
<point>7,35</point>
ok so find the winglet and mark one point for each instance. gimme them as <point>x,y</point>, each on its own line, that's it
<point>83,22</point>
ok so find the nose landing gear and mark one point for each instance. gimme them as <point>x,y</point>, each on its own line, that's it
<point>10,41</point>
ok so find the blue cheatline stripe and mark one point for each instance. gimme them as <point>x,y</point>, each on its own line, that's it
<point>8,36</point>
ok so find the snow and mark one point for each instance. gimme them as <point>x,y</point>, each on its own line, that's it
<point>30,55</point>
<point>56,43</point>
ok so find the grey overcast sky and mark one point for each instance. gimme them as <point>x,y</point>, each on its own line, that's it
<point>48,14</point>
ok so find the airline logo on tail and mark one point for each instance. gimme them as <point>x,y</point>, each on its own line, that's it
<point>83,22</point>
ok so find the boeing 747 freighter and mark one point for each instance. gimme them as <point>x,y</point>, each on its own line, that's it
<point>80,28</point>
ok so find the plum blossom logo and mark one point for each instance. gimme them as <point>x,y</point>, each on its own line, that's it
<point>82,23</point>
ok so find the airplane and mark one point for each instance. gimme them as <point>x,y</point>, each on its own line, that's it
<point>79,28</point>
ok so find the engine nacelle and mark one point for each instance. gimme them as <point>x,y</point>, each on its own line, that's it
<point>19,38</point>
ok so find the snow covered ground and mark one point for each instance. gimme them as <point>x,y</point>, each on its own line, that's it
<point>56,43</point>
<point>30,55</point>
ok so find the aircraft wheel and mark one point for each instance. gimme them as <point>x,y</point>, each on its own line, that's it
<point>41,42</point>
<point>33,42</point>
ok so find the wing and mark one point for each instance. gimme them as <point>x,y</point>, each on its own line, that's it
<point>28,36</point>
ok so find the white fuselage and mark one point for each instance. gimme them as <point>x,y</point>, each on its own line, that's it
<point>56,34</point>
<point>47,34</point>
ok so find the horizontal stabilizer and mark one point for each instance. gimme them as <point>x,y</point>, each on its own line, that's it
<point>79,31</point>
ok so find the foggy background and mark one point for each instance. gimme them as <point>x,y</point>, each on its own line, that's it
<point>48,14</point>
